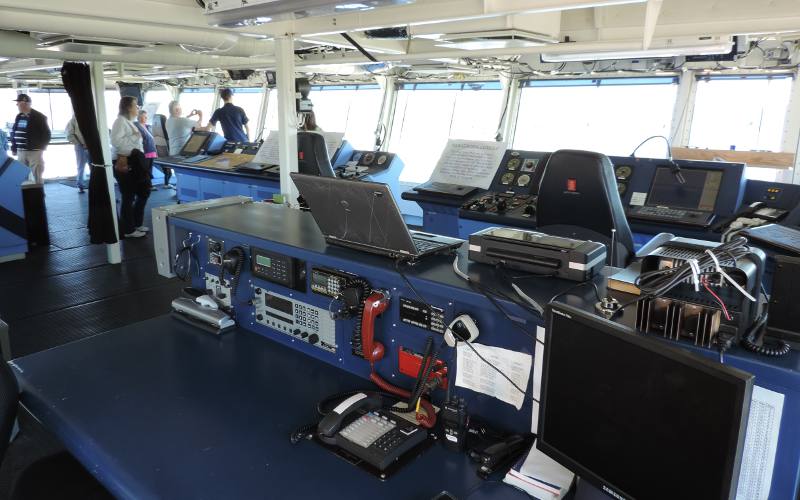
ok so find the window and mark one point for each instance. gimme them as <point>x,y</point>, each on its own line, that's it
<point>8,108</point>
<point>112,98</point>
<point>610,116</point>
<point>160,97</point>
<point>427,114</point>
<point>352,109</point>
<point>202,99</point>
<point>56,105</point>
<point>248,99</point>
<point>745,113</point>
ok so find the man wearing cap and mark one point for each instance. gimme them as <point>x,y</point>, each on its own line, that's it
<point>30,136</point>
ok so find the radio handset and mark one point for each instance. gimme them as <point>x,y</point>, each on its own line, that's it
<point>232,263</point>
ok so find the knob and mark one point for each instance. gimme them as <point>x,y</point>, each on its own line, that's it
<point>480,206</point>
<point>304,334</point>
<point>259,317</point>
<point>530,209</point>
<point>296,331</point>
<point>502,205</point>
<point>313,338</point>
<point>258,291</point>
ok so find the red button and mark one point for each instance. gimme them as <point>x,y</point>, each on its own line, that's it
<point>572,185</point>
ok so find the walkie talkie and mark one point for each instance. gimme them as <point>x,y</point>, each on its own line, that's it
<point>454,424</point>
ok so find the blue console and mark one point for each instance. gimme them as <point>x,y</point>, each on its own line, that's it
<point>13,240</point>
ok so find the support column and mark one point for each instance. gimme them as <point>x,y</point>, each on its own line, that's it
<point>683,110</point>
<point>791,130</point>
<point>287,115</point>
<point>98,89</point>
<point>262,113</point>
<point>511,95</point>
<point>386,119</point>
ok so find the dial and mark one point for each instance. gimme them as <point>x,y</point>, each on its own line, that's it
<point>368,158</point>
<point>622,188</point>
<point>382,159</point>
<point>623,172</point>
<point>507,179</point>
<point>513,164</point>
<point>523,180</point>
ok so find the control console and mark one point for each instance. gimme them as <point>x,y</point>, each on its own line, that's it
<point>513,191</point>
<point>304,322</point>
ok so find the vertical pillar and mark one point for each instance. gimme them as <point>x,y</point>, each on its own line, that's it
<point>683,110</point>
<point>511,96</point>
<point>262,113</point>
<point>791,130</point>
<point>386,119</point>
<point>98,89</point>
<point>287,115</point>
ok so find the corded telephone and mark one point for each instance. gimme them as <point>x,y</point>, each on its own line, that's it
<point>360,426</point>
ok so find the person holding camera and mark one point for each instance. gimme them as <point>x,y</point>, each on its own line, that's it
<point>179,129</point>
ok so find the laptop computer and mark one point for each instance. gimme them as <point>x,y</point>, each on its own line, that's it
<point>363,215</point>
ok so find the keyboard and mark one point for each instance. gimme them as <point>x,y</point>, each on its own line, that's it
<point>780,236</point>
<point>426,245</point>
<point>196,159</point>
<point>667,214</point>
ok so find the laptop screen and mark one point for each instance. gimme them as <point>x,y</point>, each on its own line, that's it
<point>356,212</point>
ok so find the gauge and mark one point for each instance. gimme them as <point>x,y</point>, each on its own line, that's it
<point>623,172</point>
<point>529,166</point>
<point>382,159</point>
<point>368,158</point>
<point>513,164</point>
<point>507,179</point>
<point>622,188</point>
<point>523,180</point>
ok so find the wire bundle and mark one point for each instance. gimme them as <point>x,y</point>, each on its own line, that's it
<point>659,282</point>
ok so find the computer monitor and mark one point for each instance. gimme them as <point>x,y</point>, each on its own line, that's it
<point>637,417</point>
<point>195,144</point>
<point>699,191</point>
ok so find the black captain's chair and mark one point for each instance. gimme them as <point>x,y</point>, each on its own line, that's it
<point>57,476</point>
<point>313,155</point>
<point>578,198</point>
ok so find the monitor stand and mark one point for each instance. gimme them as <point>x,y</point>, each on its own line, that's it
<point>584,490</point>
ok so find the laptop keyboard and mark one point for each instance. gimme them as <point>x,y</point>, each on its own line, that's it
<point>779,235</point>
<point>425,245</point>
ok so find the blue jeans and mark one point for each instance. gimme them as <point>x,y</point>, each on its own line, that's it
<point>82,158</point>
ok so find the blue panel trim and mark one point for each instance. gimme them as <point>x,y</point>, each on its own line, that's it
<point>323,88</point>
<point>780,76</point>
<point>596,82</point>
<point>489,85</point>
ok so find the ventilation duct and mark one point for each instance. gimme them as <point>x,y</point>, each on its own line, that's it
<point>235,13</point>
<point>86,45</point>
<point>500,39</point>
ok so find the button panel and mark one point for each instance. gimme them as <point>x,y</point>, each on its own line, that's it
<point>302,321</point>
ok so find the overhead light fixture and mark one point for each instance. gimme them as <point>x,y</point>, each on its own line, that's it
<point>236,13</point>
<point>694,50</point>
<point>497,39</point>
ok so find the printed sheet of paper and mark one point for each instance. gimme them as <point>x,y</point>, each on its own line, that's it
<point>269,152</point>
<point>538,363</point>
<point>469,163</point>
<point>760,444</point>
<point>478,376</point>
<point>333,140</point>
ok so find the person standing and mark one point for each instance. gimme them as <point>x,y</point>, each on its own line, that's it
<point>149,143</point>
<point>75,138</point>
<point>30,137</point>
<point>232,118</point>
<point>179,129</point>
<point>130,168</point>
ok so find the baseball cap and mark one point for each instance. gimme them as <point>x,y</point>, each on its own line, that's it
<point>23,98</point>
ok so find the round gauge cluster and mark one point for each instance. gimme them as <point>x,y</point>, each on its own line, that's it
<point>623,174</point>
<point>507,179</point>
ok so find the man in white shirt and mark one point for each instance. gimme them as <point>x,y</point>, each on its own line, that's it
<point>179,129</point>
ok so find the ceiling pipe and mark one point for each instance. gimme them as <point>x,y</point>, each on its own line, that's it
<point>230,43</point>
<point>22,46</point>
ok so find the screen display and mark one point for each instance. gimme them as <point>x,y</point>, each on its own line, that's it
<point>194,144</point>
<point>279,304</point>
<point>699,192</point>
<point>532,236</point>
<point>263,260</point>
<point>632,415</point>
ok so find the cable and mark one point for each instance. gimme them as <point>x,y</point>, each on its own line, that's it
<point>717,298</point>
<point>186,249</point>
<point>676,169</point>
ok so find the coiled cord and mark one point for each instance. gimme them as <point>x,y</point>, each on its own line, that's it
<point>366,289</point>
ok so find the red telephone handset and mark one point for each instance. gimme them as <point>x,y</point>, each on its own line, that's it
<point>374,306</point>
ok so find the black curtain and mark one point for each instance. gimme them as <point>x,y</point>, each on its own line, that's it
<point>78,84</point>
<point>132,90</point>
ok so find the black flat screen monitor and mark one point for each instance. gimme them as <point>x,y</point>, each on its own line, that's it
<point>699,192</point>
<point>195,144</point>
<point>636,416</point>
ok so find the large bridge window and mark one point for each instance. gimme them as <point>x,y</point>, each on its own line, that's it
<point>610,116</point>
<point>201,98</point>
<point>352,109</point>
<point>427,114</point>
<point>744,113</point>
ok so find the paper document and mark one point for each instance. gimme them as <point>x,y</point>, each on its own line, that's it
<point>469,163</point>
<point>540,476</point>
<point>333,140</point>
<point>760,444</point>
<point>472,373</point>
<point>538,362</point>
<point>269,152</point>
